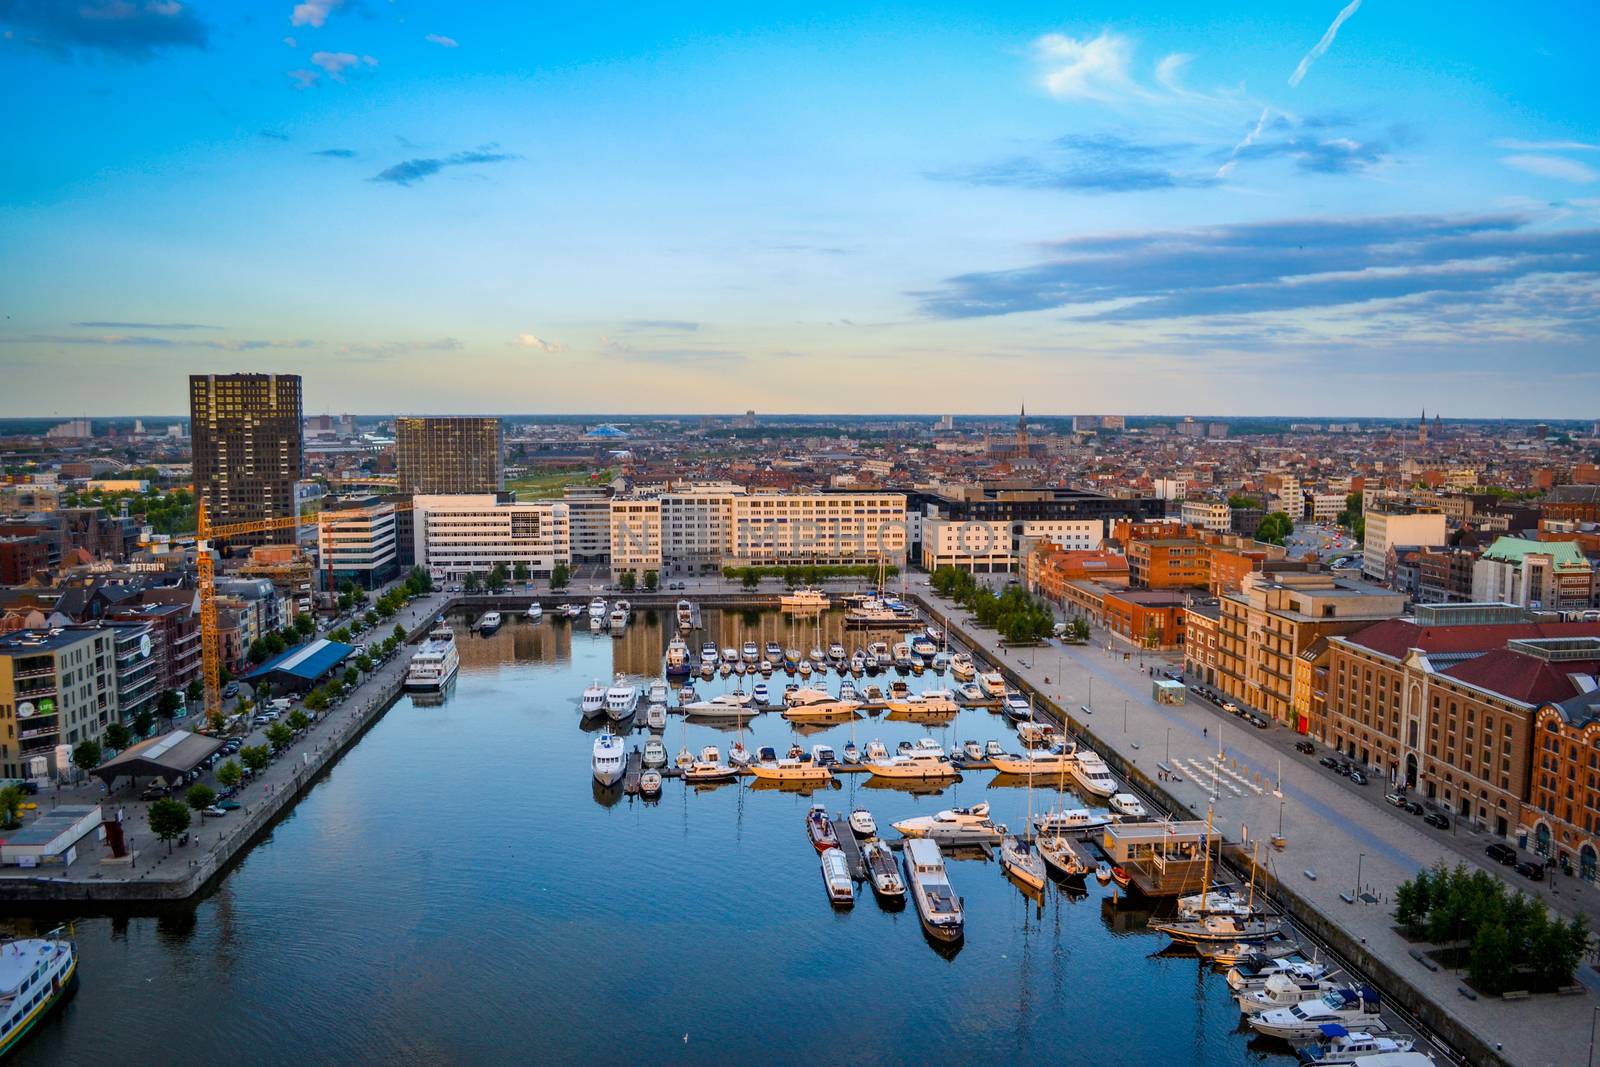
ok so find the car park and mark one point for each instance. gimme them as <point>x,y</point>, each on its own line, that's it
<point>1437,818</point>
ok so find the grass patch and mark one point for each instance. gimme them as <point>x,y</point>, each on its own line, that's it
<point>549,485</point>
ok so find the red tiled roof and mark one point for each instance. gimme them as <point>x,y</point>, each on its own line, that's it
<point>1522,677</point>
<point>1394,637</point>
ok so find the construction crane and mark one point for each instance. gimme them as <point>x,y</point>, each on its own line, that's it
<point>210,630</point>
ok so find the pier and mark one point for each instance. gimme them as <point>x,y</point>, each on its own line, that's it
<point>850,846</point>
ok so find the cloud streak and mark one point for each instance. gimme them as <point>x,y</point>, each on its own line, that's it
<point>99,325</point>
<point>1322,46</point>
<point>128,29</point>
<point>529,340</point>
<point>1103,163</point>
<point>1567,170</point>
<point>409,172</point>
<point>442,41</point>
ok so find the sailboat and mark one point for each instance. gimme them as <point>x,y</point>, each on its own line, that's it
<point>1018,857</point>
<point>1213,927</point>
<point>1064,857</point>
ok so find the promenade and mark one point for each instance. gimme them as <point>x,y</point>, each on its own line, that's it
<point>1358,852</point>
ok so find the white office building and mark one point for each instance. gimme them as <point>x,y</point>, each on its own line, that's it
<point>589,516</point>
<point>458,535</point>
<point>818,528</point>
<point>635,535</point>
<point>1207,514</point>
<point>358,544</point>
<point>1422,529</point>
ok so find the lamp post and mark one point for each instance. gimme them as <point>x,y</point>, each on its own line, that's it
<point>1359,857</point>
<point>1124,715</point>
<point>1169,746</point>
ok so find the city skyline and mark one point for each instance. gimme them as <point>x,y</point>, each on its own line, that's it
<point>1235,211</point>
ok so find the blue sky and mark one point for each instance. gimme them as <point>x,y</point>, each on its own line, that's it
<point>1149,208</point>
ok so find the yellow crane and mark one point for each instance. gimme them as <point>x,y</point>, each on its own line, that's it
<point>210,631</point>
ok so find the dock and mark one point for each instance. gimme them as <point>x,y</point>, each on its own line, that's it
<point>630,777</point>
<point>850,846</point>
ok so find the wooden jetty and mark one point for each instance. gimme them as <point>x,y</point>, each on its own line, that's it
<point>630,777</point>
<point>850,846</point>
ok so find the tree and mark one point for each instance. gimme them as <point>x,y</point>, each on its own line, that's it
<point>499,575</point>
<point>628,581</point>
<point>1080,629</point>
<point>1237,501</point>
<point>472,584</point>
<point>143,721</point>
<point>200,796</point>
<point>341,635</point>
<point>215,721</point>
<point>11,807</point>
<point>275,643</point>
<point>279,736</point>
<point>519,572</point>
<point>651,580</point>
<point>750,578</point>
<point>298,720</point>
<point>116,737</point>
<point>351,677</point>
<point>167,704</point>
<point>317,700</point>
<point>255,757</point>
<point>195,691</point>
<point>229,774</point>
<point>364,663</point>
<point>259,653</point>
<point>168,819</point>
<point>399,632</point>
<point>86,757</point>
<point>1489,966</point>
<point>1275,528</point>
<point>304,625</point>
<point>372,617</point>
<point>560,574</point>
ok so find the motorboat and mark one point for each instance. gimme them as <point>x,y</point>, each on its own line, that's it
<point>824,756</point>
<point>863,824</point>
<point>902,656</point>
<point>677,656</point>
<point>836,877</point>
<point>1337,1046</point>
<point>882,658</point>
<point>903,748</point>
<point>934,634</point>
<point>594,700</point>
<point>655,753</point>
<point>1128,806</point>
<point>882,872</point>
<point>1282,990</point>
<point>836,653</point>
<point>991,749</point>
<point>751,652</point>
<point>597,608</point>
<point>858,662</point>
<point>940,662</point>
<point>708,655</point>
<point>820,828</point>
<point>971,750</point>
<point>739,756</point>
<point>928,745</point>
<point>1228,928</point>
<point>1022,861</point>
<point>610,761</point>
<point>572,611</point>
<point>915,766</point>
<point>923,647</point>
<point>816,705</point>
<point>1034,761</point>
<point>657,692</point>
<point>1071,821</point>
<point>435,662</point>
<point>622,700</point>
<point>850,754</point>
<point>789,771</point>
<point>725,668</point>
<point>875,750</point>
<point>1016,706</point>
<point>1037,734</point>
<point>899,689</point>
<point>535,612</point>
<point>1120,876</point>
<point>969,692</point>
<point>993,684</point>
<point>760,695</point>
<point>804,669</point>
<point>488,623</point>
<point>650,783</point>
<point>707,672</point>
<point>655,716</point>
<point>962,669</point>
<point>624,607</point>
<point>1352,1007</point>
<point>739,666</point>
<point>928,702</point>
<point>685,758</point>
<point>774,652</point>
<point>1102,872</point>
<point>847,691</point>
<point>1252,973</point>
<point>685,615</point>
<point>1093,775</point>
<point>954,826</point>
<point>803,599</point>
<point>872,696</point>
<point>708,767</point>
<point>765,667</point>
<point>596,623</point>
<point>791,659</point>
<point>729,655</point>
<point>727,706</point>
<point>687,695</point>
<point>938,907</point>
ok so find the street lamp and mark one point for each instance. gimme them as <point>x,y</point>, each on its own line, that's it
<point>1169,746</point>
<point>1359,857</point>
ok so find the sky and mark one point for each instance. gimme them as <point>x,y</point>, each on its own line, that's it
<point>1147,208</point>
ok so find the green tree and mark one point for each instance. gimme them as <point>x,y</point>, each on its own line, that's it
<point>399,632</point>
<point>498,577</point>
<point>372,617</point>
<point>472,584</point>
<point>1489,965</point>
<point>317,700</point>
<point>364,663</point>
<point>144,721</point>
<point>275,643</point>
<point>1275,528</point>
<point>258,653</point>
<point>1080,629</point>
<point>750,577</point>
<point>167,704</point>
<point>341,635</point>
<point>255,757</point>
<point>1237,501</point>
<point>279,736</point>
<point>298,720</point>
<point>195,691</point>
<point>651,580</point>
<point>304,625</point>
<point>168,819</point>
<point>519,572</point>
<point>116,737</point>
<point>627,580</point>
<point>351,677</point>
<point>229,774</point>
<point>200,796</point>
<point>386,610</point>
<point>559,576</point>
<point>11,807</point>
<point>86,757</point>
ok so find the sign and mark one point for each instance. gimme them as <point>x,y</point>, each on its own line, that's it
<point>144,646</point>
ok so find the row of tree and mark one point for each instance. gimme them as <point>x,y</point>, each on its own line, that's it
<point>808,574</point>
<point>1510,940</point>
<point>1017,615</point>
<point>263,648</point>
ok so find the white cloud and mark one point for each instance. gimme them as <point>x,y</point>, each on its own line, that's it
<point>304,79</point>
<point>442,41</point>
<point>1091,69</point>
<point>1567,170</point>
<point>528,340</point>
<point>1547,146</point>
<point>291,42</point>
<point>313,12</point>
<point>1249,139</point>
<point>336,63</point>
<point>1323,45</point>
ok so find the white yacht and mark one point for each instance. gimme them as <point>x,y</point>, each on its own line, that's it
<point>36,973</point>
<point>813,705</point>
<point>729,706</point>
<point>610,758</point>
<point>597,608</point>
<point>874,751</point>
<point>1349,1007</point>
<point>914,765</point>
<point>619,620</point>
<point>622,700</point>
<point>962,668</point>
<point>708,655</point>
<point>677,656</point>
<point>1250,974</point>
<point>880,654</point>
<point>655,753</point>
<point>937,904</point>
<point>1341,1047</point>
<point>955,826</point>
<point>993,683</point>
<point>805,599</point>
<point>685,615</point>
<point>760,695</point>
<point>535,611</point>
<point>1035,761</point>
<point>658,692</point>
<point>435,662</point>
<point>572,611</point>
<point>1071,820</point>
<point>923,647</point>
<point>594,699</point>
<point>709,767</point>
<point>1093,774</point>
<point>1282,990</point>
<point>1128,806</point>
<point>655,716</point>
<point>751,652</point>
<point>862,824</point>
<point>488,622</point>
<point>902,655</point>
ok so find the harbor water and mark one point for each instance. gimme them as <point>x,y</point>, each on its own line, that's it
<point>457,889</point>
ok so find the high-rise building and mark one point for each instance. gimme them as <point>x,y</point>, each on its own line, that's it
<point>449,455</point>
<point>248,450</point>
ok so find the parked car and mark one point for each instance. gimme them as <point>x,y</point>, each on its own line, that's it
<point>1358,778</point>
<point>1437,818</point>
<point>229,805</point>
<point>1260,722</point>
<point>1230,707</point>
<point>1331,762</point>
<point>213,812</point>
<point>231,689</point>
<point>1397,799</point>
<point>1533,872</point>
<point>1305,746</point>
<point>153,792</point>
<point>1413,807</point>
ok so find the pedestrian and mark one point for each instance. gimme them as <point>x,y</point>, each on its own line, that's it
<point>1205,731</point>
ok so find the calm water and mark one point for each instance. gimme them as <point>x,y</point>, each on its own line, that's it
<point>456,890</point>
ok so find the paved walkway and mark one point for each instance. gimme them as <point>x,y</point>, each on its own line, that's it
<point>1352,846</point>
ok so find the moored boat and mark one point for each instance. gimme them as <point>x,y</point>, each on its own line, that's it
<point>1350,1007</point>
<point>938,907</point>
<point>610,760</point>
<point>820,828</point>
<point>435,662</point>
<point>36,973</point>
<point>1022,861</point>
<point>882,872</point>
<point>650,783</point>
<point>836,877</point>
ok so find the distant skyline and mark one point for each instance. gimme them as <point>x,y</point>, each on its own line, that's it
<point>1113,208</point>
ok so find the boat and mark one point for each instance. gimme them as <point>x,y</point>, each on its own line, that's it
<point>875,750</point>
<point>760,695</point>
<point>1102,872</point>
<point>685,758</point>
<point>819,661</point>
<point>1037,734</point>
<point>1218,900</point>
<point>610,760</point>
<point>624,607</point>
<point>850,754</point>
<point>847,691</point>
<point>677,657</point>
<point>862,824</point>
<point>928,702</point>
<point>729,655</point>
<point>655,716</point>
<point>1022,861</point>
<point>765,667</point>
<point>687,695</point>
<point>36,974</point>
<point>938,907</point>
<point>750,653</point>
<point>1227,953</point>
<point>708,655</point>
<point>872,696</point>
<point>725,668</point>
<point>655,753</point>
<point>622,700</point>
<point>973,751</point>
<point>1092,774</point>
<point>1229,928</point>
<point>881,656</point>
<point>1355,1007</point>
<point>1064,858</point>
<point>836,653</point>
<point>804,599</point>
<point>594,700</point>
<point>1128,806</point>
<point>804,669</point>
<point>836,878</point>
<point>1252,973</point>
<point>535,612</point>
<point>1120,876</point>
<point>858,662</point>
<point>993,684</point>
<point>727,706</point>
<point>1282,990</point>
<point>572,611</point>
<point>774,652</point>
<point>823,756</point>
<point>954,827</point>
<point>1337,1046</point>
<point>813,705</point>
<point>991,749</point>
<point>969,692</point>
<point>791,659</point>
<point>789,771</point>
<point>435,662</point>
<point>739,756</point>
<point>685,615</point>
<point>820,828</point>
<point>650,783</point>
<point>923,647</point>
<point>596,623</point>
<point>488,623</point>
<point>1033,761</point>
<point>708,767</point>
<point>915,765</point>
<point>902,656</point>
<point>597,608</point>
<point>882,873</point>
<point>962,669</point>
<point>1071,820</point>
<point>657,692</point>
<point>1016,706</point>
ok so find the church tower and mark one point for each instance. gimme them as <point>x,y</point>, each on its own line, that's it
<point>1022,433</point>
<point>1422,430</point>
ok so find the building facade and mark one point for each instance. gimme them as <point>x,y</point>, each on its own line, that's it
<point>460,535</point>
<point>1562,817</point>
<point>1207,514</point>
<point>1394,526</point>
<point>358,544</point>
<point>57,687</point>
<point>442,455</point>
<point>1541,574</point>
<point>635,536</point>
<point>248,449</point>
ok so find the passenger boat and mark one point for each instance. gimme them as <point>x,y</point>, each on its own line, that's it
<point>594,700</point>
<point>1092,774</point>
<point>622,700</point>
<point>1351,1007</point>
<point>954,827</point>
<point>884,875</point>
<point>610,760</point>
<point>535,612</point>
<point>836,877</point>
<point>789,771</point>
<point>1337,1047</point>
<point>862,824</point>
<point>655,753</point>
<point>650,783</point>
<point>820,828</point>
<point>804,599</point>
<point>993,684</point>
<point>488,623</point>
<point>36,973</point>
<point>914,766</point>
<point>677,657</point>
<point>938,907</point>
<point>1128,806</point>
<point>1282,990</point>
<point>1022,861</point>
<point>435,662</point>
<point>1071,820</point>
<point>685,615</point>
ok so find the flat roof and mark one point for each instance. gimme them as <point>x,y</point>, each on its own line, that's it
<point>163,756</point>
<point>307,662</point>
<point>50,825</point>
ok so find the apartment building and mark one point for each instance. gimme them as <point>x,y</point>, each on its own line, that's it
<point>983,547</point>
<point>449,455</point>
<point>57,687</point>
<point>139,668</point>
<point>1542,574</point>
<point>697,528</point>
<point>1324,507</point>
<point>458,535</point>
<point>821,528</point>
<point>1168,563</point>
<point>1271,620</point>
<point>248,449</point>
<point>589,517</point>
<point>1286,493</point>
<point>175,633</point>
<point>1049,568</point>
<point>1202,634</point>
<point>356,542</point>
<point>1561,819</point>
<point>1398,525</point>
<point>1444,575</point>
<point>1207,514</point>
<point>635,536</point>
<point>1145,618</point>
